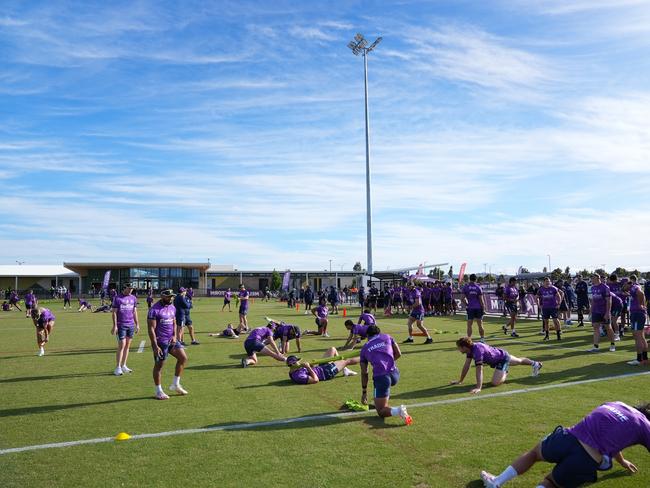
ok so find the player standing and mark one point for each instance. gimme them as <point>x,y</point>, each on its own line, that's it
<point>475,306</point>
<point>125,324</point>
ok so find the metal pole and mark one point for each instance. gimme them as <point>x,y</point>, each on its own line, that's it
<point>549,263</point>
<point>368,206</point>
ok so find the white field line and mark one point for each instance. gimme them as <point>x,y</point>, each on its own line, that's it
<point>272,423</point>
<point>141,347</point>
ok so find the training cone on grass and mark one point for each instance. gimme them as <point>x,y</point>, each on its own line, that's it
<point>122,436</point>
<point>345,312</point>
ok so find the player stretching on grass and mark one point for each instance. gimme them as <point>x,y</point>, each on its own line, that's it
<point>381,352</point>
<point>304,373</point>
<point>285,333</point>
<point>357,333</point>
<point>475,306</point>
<point>161,321</point>
<point>417,316</point>
<point>579,452</point>
<point>84,305</point>
<point>44,321</point>
<point>638,309</point>
<point>548,299</point>
<point>228,332</point>
<point>261,340</point>
<point>494,357</point>
<point>510,299</point>
<point>125,324</point>
<point>601,306</point>
<point>321,312</point>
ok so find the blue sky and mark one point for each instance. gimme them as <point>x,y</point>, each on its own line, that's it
<point>501,132</point>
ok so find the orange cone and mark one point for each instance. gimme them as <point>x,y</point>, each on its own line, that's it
<point>345,312</point>
<point>297,307</point>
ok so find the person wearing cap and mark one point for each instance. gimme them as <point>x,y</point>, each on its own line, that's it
<point>381,351</point>
<point>260,340</point>
<point>125,324</point>
<point>303,373</point>
<point>183,305</point>
<point>285,333</point>
<point>161,324</point>
<point>243,308</point>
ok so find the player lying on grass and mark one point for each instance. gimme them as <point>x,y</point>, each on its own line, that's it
<point>496,358</point>
<point>229,332</point>
<point>44,321</point>
<point>260,340</point>
<point>579,452</point>
<point>321,312</point>
<point>381,351</point>
<point>285,333</point>
<point>303,373</point>
<point>357,333</point>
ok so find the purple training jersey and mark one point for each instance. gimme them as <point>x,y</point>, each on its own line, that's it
<point>548,296</point>
<point>635,303</point>
<point>243,297</point>
<point>612,427</point>
<point>164,315</point>
<point>367,319</point>
<point>511,294</point>
<point>322,312</point>
<point>29,299</point>
<point>484,354</point>
<point>125,306</point>
<point>416,299</point>
<point>46,316</point>
<point>472,293</point>
<point>260,333</point>
<point>360,330</point>
<point>378,351</point>
<point>286,330</point>
<point>599,295</point>
<point>301,375</point>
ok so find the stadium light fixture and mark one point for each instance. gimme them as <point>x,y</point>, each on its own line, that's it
<point>360,46</point>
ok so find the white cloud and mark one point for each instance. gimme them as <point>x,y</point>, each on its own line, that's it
<point>311,33</point>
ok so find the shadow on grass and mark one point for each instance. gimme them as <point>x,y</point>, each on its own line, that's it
<point>54,377</point>
<point>12,412</point>
<point>475,484</point>
<point>208,367</point>
<point>286,382</point>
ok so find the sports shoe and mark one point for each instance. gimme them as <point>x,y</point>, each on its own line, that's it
<point>617,338</point>
<point>612,348</point>
<point>118,371</point>
<point>536,367</point>
<point>408,420</point>
<point>594,349</point>
<point>161,395</point>
<point>244,363</point>
<point>488,480</point>
<point>178,389</point>
<point>126,369</point>
<point>195,343</point>
<point>182,343</point>
<point>349,372</point>
<point>408,340</point>
<point>41,352</point>
<point>546,338</point>
<point>429,340</point>
<point>514,334</point>
<point>634,362</point>
<point>505,329</point>
<point>326,334</point>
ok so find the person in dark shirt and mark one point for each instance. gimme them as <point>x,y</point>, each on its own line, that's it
<point>582,296</point>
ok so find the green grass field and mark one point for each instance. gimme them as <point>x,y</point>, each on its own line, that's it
<point>70,394</point>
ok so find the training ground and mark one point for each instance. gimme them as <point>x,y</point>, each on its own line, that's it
<point>252,427</point>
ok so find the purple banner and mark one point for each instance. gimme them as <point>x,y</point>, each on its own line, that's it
<point>107,278</point>
<point>285,280</point>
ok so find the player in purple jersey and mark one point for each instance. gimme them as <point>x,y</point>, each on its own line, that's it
<point>67,296</point>
<point>229,332</point>
<point>416,316</point>
<point>285,333</point>
<point>30,303</point>
<point>161,324</point>
<point>304,373</point>
<point>494,357</point>
<point>321,312</point>
<point>260,340</point>
<point>510,300</point>
<point>149,298</point>
<point>475,306</point>
<point>357,333</point>
<point>243,296</point>
<point>125,324</point>
<point>84,305</point>
<point>601,306</point>
<point>14,299</point>
<point>366,318</point>
<point>548,300</point>
<point>381,351</point>
<point>579,452</point>
<point>638,310</point>
<point>227,297</point>
<point>44,322</point>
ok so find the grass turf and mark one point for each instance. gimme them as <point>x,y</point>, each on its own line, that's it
<point>71,394</point>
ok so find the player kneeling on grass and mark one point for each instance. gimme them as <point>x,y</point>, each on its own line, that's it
<point>229,332</point>
<point>357,333</point>
<point>285,333</point>
<point>579,452</point>
<point>44,321</point>
<point>84,305</point>
<point>381,352</point>
<point>304,373</point>
<point>161,321</point>
<point>494,357</point>
<point>261,340</point>
<point>321,312</point>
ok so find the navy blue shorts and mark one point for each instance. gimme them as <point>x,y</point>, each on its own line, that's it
<point>637,320</point>
<point>252,346</point>
<point>583,304</point>
<point>329,371</point>
<point>549,313</point>
<point>598,318</point>
<point>243,311</point>
<point>474,314</point>
<point>573,465</point>
<point>417,314</point>
<point>503,365</point>
<point>616,311</point>
<point>317,322</point>
<point>511,308</point>
<point>165,350</point>
<point>383,383</point>
<point>124,331</point>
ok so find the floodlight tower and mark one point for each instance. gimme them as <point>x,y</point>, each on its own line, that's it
<point>360,46</point>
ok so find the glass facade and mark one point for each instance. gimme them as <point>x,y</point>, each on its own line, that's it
<point>145,277</point>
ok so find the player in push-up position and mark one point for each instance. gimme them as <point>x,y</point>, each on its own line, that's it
<point>494,357</point>
<point>260,340</point>
<point>303,373</point>
<point>579,452</point>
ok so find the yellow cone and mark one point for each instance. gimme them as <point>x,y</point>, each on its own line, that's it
<point>122,436</point>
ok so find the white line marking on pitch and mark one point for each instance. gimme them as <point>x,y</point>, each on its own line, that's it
<point>141,347</point>
<point>272,423</point>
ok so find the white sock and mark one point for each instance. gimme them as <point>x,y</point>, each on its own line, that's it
<point>507,475</point>
<point>177,380</point>
<point>159,389</point>
<point>394,411</point>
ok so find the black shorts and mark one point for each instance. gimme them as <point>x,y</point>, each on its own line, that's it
<point>573,465</point>
<point>329,371</point>
<point>511,308</point>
